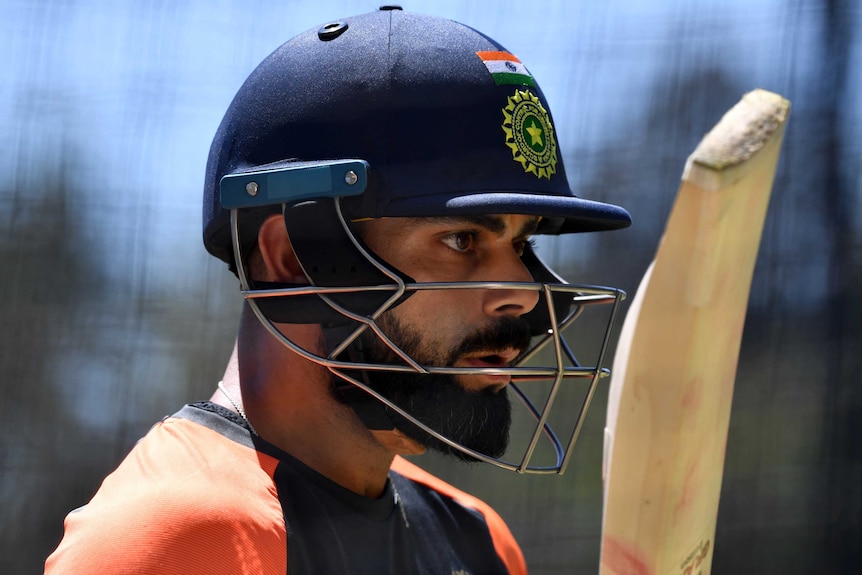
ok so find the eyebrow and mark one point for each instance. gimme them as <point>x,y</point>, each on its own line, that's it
<point>493,223</point>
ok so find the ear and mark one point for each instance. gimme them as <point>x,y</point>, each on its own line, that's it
<point>277,252</point>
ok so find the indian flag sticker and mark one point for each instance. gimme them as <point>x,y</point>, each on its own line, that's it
<point>506,69</point>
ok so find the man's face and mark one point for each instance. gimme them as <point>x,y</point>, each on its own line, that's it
<point>470,328</point>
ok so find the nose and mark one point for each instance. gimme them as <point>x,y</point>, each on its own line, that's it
<point>509,301</point>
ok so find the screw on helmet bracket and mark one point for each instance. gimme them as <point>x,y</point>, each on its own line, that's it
<point>292,181</point>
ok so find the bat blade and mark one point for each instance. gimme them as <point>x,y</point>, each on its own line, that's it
<point>674,369</point>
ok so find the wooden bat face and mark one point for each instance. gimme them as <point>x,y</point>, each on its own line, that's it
<point>673,374</point>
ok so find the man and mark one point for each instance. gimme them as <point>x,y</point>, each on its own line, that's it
<point>374,185</point>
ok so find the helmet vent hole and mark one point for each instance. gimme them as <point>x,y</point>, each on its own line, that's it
<point>331,30</point>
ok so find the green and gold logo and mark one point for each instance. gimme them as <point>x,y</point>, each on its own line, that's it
<point>530,135</point>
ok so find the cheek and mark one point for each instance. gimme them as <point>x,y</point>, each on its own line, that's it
<point>442,317</point>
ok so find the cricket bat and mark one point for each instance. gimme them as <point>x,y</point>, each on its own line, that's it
<point>673,374</point>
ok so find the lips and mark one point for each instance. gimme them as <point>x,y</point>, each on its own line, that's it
<point>500,359</point>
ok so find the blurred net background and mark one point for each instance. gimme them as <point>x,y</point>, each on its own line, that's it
<point>112,315</point>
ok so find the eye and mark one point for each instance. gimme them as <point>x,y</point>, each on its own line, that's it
<point>462,242</point>
<point>521,245</point>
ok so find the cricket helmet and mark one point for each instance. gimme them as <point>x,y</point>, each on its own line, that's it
<point>395,114</point>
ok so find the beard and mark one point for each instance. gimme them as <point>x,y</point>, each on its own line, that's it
<point>478,420</point>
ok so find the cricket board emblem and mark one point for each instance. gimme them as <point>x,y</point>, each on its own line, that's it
<point>530,135</point>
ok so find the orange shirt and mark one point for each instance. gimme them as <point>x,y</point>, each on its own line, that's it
<point>199,495</point>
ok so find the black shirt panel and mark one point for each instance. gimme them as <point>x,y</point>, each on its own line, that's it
<point>411,529</point>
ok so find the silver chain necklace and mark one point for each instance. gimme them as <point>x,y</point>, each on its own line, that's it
<point>236,406</point>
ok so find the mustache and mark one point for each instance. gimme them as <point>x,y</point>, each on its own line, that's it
<point>507,332</point>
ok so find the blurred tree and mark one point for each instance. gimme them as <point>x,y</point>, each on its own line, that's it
<point>51,286</point>
<point>92,352</point>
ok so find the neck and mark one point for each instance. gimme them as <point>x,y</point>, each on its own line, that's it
<point>289,402</point>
